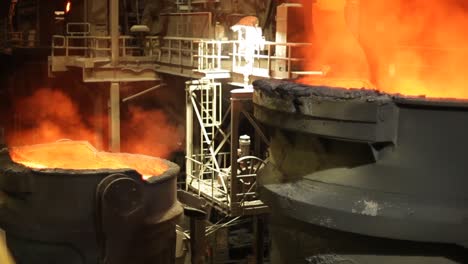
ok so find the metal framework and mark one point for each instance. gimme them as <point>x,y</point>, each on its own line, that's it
<point>214,168</point>
<point>187,5</point>
<point>142,58</point>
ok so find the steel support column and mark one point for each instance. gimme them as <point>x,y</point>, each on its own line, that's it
<point>188,133</point>
<point>238,98</point>
<point>114,109</point>
<point>114,88</point>
<point>114,30</point>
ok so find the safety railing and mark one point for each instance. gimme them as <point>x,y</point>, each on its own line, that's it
<point>208,181</point>
<point>178,51</point>
<point>167,50</point>
<point>214,184</point>
<point>224,178</point>
<point>211,54</point>
<point>273,60</point>
<point>92,46</point>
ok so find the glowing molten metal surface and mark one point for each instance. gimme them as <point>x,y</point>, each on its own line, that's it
<point>76,155</point>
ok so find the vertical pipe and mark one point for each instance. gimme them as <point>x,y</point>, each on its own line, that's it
<point>235,114</point>
<point>114,29</point>
<point>114,117</point>
<point>114,88</point>
<point>188,134</point>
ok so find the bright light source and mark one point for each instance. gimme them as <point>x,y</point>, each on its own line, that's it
<point>68,7</point>
<point>251,41</point>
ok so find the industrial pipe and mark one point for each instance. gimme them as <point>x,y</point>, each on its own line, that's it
<point>114,31</point>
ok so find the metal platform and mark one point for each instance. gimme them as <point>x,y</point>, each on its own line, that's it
<point>226,179</point>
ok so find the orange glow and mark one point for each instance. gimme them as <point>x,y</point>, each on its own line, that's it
<point>49,115</point>
<point>409,47</point>
<point>79,155</point>
<point>251,41</point>
<point>149,132</point>
<point>46,116</point>
<point>68,7</point>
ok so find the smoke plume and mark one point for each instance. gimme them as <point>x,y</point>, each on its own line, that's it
<point>150,132</point>
<point>49,115</point>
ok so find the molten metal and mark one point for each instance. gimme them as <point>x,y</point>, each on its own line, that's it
<point>80,155</point>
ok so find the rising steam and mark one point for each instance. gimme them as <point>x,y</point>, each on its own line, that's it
<point>50,115</point>
<point>47,116</point>
<point>149,132</point>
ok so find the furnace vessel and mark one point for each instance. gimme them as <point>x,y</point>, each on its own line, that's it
<point>106,215</point>
<point>359,176</point>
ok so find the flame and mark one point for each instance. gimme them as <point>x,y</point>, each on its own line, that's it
<point>409,47</point>
<point>75,155</point>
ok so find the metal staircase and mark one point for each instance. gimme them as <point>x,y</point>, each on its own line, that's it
<point>206,162</point>
<point>218,167</point>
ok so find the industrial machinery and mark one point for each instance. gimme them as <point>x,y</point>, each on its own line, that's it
<point>366,162</point>
<point>363,163</point>
<point>310,111</point>
<point>66,202</point>
<point>125,43</point>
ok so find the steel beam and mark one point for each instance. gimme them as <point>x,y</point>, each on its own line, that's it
<point>114,117</point>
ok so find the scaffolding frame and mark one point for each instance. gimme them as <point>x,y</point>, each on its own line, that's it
<point>222,177</point>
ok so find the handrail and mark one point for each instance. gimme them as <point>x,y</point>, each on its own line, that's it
<point>198,53</point>
<point>213,52</point>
